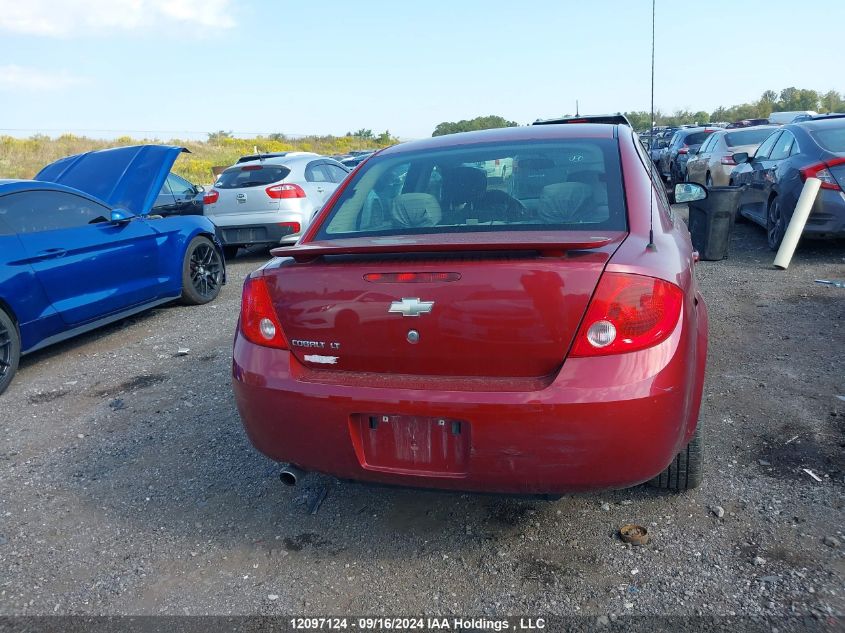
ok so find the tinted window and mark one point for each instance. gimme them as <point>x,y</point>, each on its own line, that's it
<point>766,147</point>
<point>34,211</point>
<point>251,176</point>
<point>831,139</point>
<point>696,138</point>
<point>179,186</point>
<point>561,185</point>
<point>751,136</point>
<point>783,146</point>
<point>165,196</point>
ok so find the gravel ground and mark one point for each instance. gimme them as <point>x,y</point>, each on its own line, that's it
<point>129,487</point>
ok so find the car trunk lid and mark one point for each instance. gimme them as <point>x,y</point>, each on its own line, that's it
<point>243,189</point>
<point>484,305</point>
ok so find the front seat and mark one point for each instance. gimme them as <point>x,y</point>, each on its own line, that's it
<point>565,203</point>
<point>597,181</point>
<point>415,210</point>
<point>462,189</point>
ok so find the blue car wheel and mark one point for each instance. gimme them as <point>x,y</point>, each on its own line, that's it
<point>10,350</point>
<point>202,272</point>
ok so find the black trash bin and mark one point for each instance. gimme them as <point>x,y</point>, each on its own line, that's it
<point>711,221</point>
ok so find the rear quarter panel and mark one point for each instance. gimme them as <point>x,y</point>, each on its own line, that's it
<point>670,258</point>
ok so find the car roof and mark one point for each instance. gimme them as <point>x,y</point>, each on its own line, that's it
<point>17,185</point>
<point>821,124</point>
<point>506,135</point>
<point>288,158</point>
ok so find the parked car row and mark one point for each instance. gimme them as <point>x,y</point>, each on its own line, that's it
<point>91,240</point>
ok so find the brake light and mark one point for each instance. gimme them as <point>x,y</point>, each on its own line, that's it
<point>727,159</point>
<point>259,323</point>
<point>683,150</point>
<point>628,313</point>
<point>822,172</point>
<point>285,191</point>
<point>211,196</point>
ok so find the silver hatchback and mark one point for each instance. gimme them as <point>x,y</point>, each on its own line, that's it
<point>270,199</point>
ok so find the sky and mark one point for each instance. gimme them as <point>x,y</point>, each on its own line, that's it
<point>183,68</point>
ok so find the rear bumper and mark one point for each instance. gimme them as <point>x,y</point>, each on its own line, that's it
<point>607,422</point>
<point>827,218</point>
<point>267,233</point>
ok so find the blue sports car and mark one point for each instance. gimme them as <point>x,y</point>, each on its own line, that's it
<point>79,249</point>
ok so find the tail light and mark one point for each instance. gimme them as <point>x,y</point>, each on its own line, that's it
<point>683,150</point>
<point>727,159</point>
<point>628,313</point>
<point>285,191</point>
<point>259,323</point>
<point>290,227</point>
<point>822,172</point>
<point>211,196</point>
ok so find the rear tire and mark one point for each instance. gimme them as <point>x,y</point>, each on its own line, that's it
<point>686,470</point>
<point>10,350</point>
<point>202,272</point>
<point>775,224</point>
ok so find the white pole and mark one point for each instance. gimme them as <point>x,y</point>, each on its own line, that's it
<point>796,224</point>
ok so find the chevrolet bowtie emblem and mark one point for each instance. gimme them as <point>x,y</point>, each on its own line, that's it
<point>411,307</point>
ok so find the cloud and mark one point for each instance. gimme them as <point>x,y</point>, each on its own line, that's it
<point>70,17</point>
<point>16,78</point>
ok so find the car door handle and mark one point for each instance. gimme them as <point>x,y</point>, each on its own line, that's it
<point>52,253</point>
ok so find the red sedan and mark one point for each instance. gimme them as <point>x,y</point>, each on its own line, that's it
<point>537,332</point>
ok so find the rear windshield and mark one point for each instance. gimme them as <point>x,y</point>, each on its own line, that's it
<point>697,138</point>
<point>754,136</point>
<point>831,139</point>
<point>250,176</point>
<point>537,186</point>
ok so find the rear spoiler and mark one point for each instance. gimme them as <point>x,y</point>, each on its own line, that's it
<point>612,119</point>
<point>549,244</point>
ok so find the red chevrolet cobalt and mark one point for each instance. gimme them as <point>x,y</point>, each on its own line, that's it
<point>509,311</point>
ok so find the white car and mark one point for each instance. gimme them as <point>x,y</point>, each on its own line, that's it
<point>270,199</point>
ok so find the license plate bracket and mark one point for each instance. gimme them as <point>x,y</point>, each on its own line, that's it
<point>411,444</point>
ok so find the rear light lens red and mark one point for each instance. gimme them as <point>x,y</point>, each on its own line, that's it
<point>822,172</point>
<point>292,227</point>
<point>211,196</point>
<point>259,323</point>
<point>280,192</point>
<point>411,277</point>
<point>683,150</point>
<point>628,313</point>
<point>727,159</point>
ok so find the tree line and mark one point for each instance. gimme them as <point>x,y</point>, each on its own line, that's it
<point>787,100</point>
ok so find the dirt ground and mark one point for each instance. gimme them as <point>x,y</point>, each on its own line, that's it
<point>128,485</point>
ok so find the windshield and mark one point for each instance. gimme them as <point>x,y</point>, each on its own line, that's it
<point>754,136</point>
<point>250,176</point>
<point>561,185</point>
<point>831,139</point>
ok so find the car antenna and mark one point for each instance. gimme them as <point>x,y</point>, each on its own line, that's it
<point>650,244</point>
<point>577,113</point>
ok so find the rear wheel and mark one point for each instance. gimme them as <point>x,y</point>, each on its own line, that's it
<point>10,349</point>
<point>202,272</point>
<point>686,470</point>
<point>775,224</point>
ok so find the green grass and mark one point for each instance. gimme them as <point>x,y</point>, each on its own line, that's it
<point>23,158</point>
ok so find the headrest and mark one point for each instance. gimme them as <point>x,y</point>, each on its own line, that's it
<point>463,184</point>
<point>561,202</point>
<point>415,210</point>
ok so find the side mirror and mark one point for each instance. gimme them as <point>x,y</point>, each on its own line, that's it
<point>199,189</point>
<point>689,192</point>
<point>119,216</point>
<point>741,157</point>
